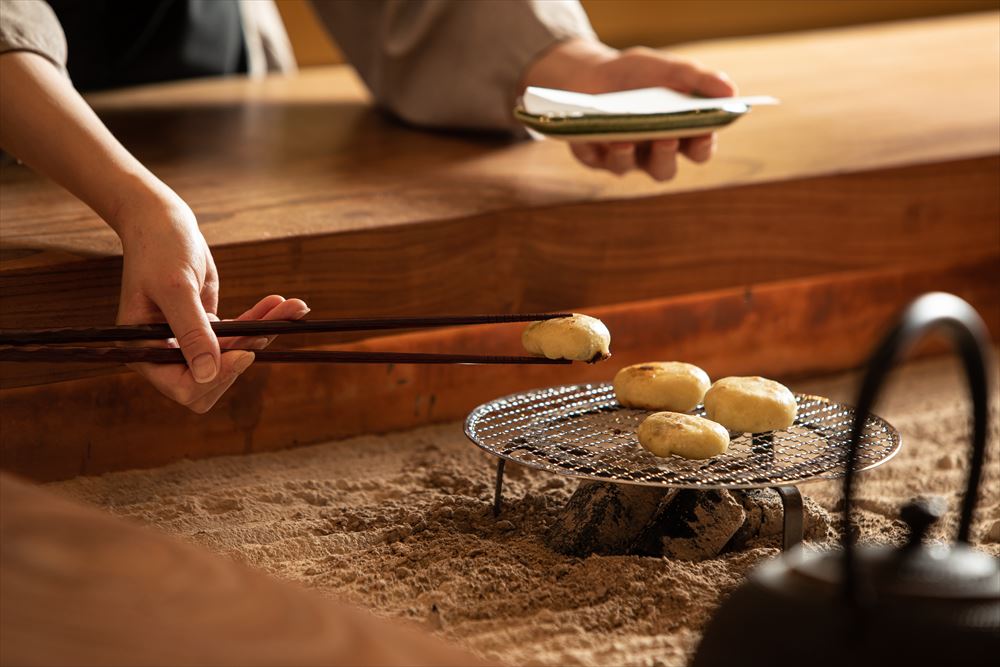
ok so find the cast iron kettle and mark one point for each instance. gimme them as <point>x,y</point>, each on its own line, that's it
<point>878,605</point>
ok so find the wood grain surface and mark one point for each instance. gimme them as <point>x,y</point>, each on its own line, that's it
<point>287,158</point>
<point>83,588</point>
<point>786,329</point>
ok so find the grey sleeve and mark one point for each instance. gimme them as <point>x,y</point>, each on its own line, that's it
<point>31,25</point>
<point>444,63</point>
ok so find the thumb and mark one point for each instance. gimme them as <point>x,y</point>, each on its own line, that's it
<point>193,331</point>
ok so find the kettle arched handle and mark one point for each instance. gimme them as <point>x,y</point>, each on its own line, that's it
<point>968,334</point>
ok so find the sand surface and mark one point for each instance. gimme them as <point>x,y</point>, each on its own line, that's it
<point>401,524</point>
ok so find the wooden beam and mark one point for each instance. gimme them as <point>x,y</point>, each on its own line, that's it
<point>784,329</point>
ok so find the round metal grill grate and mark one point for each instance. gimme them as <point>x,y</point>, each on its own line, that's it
<point>582,431</point>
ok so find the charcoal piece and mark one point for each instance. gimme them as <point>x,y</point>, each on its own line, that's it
<point>603,518</point>
<point>765,518</point>
<point>695,525</point>
<point>610,519</point>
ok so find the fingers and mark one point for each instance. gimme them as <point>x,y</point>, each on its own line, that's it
<point>273,307</point>
<point>714,84</point>
<point>191,326</point>
<point>618,157</point>
<point>587,153</point>
<point>257,312</point>
<point>290,309</point>
<point>641,68</point>
<point>262,307</point>
<point>690,77</point>
<point>233,365</point>
<point>176,382</point>
<point>661,161</point>
<point>657,158</point>
<point>179,383</point>
<point>699,149</point>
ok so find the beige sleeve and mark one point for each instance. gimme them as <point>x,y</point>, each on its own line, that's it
<point>31,25</point>
<point>444,63</point>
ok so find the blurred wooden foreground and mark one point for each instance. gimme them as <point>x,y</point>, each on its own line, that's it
<point>81,587</point>
<point>786,255</point>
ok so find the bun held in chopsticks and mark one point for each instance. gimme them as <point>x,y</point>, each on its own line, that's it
<point>578,337</point>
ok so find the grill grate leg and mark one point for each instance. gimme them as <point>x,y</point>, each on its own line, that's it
<point>791,504</point>
<point>498,494</point>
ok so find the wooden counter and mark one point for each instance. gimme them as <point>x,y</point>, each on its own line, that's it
<point>861,177</point>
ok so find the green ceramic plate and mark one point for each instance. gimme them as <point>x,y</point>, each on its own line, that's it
<point>632,127</point>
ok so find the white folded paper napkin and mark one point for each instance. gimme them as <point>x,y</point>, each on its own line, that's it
<point>552,102</point>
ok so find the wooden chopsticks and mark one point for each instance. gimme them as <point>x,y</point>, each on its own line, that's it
<point>255,328</point>
<point>33,345</point>
<point>167,355</point>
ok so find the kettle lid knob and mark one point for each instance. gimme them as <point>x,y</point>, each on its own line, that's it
<point>939,571</point>
<point>919,515</point>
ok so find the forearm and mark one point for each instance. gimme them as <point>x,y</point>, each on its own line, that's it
<point>46,124</point>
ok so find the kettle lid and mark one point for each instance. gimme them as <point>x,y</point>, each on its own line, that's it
<point>915,570</point>
<point>940,572</point>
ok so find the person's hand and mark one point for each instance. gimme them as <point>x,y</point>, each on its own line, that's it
<point>169,274</point>
<point>590,67</point>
